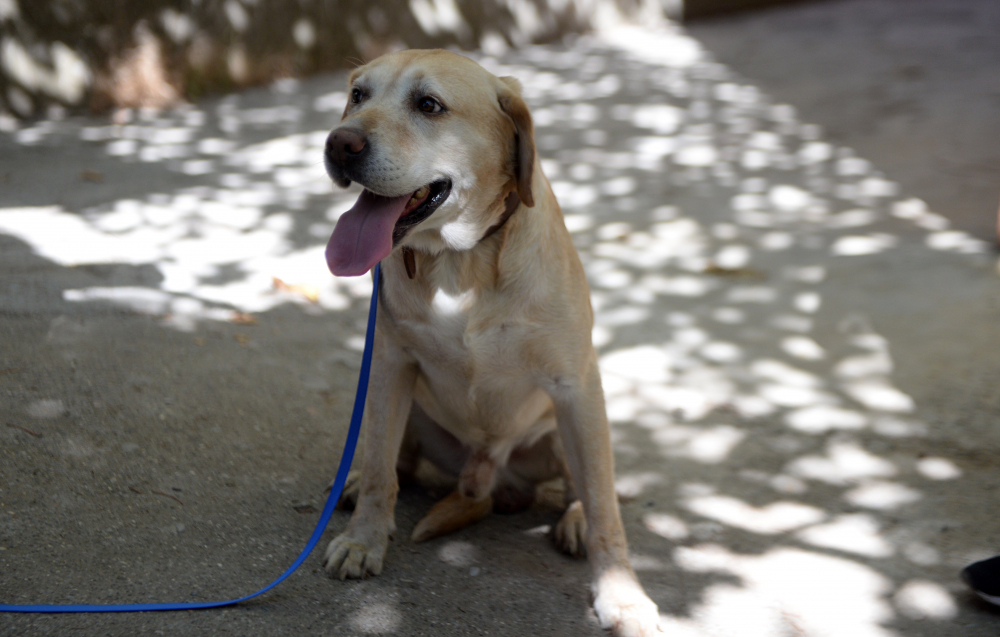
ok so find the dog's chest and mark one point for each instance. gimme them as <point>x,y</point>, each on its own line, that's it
<point>473,379</point>
<point>452,337</point>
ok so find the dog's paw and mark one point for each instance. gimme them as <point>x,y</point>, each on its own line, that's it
<point>622,606</point>
<point>350,556</point>
<point>571,531</point>
<point>349,496</point>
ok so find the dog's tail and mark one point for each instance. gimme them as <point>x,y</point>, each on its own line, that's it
<point>455,512</point>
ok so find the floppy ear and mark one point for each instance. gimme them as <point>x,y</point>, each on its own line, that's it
<point>524,134</point>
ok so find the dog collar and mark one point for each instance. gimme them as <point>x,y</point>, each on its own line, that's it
<point>513,201</point>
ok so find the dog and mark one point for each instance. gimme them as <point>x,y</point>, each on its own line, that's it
<point>483,359</point>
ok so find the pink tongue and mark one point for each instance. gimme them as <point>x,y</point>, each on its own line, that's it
<point>363,235</point>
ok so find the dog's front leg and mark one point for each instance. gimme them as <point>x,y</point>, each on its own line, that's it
<point>619,600</point>
<point>360,549</point>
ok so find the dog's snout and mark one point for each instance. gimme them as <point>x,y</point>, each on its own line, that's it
<point>346,144</point>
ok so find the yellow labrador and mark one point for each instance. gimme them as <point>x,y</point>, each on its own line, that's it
<point>483,358</point>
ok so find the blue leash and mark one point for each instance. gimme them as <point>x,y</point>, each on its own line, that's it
<point>338,486</point>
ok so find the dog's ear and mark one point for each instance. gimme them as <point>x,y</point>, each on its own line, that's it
<point>513,105</point>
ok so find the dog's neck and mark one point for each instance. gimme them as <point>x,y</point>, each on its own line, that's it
<point>511,204</point>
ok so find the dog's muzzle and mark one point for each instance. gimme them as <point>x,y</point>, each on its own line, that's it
<point>345,149</point>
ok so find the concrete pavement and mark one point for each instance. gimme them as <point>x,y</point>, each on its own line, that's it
<point>910,85</point>
<point>797,355</point>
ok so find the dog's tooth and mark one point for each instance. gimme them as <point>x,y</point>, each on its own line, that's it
<point>422,192</point>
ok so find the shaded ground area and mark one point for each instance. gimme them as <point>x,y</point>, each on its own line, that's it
<point>795,351</point>
<point>911,85</point>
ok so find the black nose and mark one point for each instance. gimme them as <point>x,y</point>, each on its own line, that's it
<point>346,144</point>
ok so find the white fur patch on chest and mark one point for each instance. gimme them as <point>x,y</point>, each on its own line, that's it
<point>445,304</point>
<point>460,234</point>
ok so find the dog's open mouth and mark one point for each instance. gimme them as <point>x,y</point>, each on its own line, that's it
<point>367,233</point>
<point>421,205</point>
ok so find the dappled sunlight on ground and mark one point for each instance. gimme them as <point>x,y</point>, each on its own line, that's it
<point>785,591</point>
<point>237,241</point>
<point>708,220</point>
<point>756,415</point>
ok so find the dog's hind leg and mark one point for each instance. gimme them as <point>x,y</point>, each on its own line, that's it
<point>451,514</point>
<point>529,466</point>
<point>484,486</point>
<point>470,503</point>
<point>526,468</point>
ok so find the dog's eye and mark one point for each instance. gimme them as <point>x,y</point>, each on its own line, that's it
<point>356,96</point>
<point>429,105</point>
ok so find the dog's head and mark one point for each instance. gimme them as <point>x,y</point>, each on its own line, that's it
<point>437,142</point>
